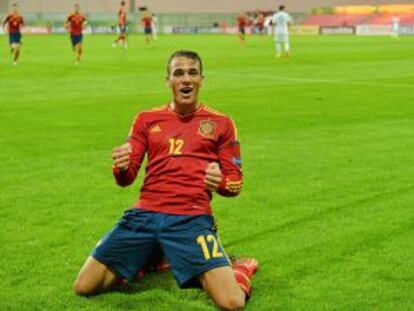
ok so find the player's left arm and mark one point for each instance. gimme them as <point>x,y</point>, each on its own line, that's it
<point>230,162</point>
<point>85,23</point>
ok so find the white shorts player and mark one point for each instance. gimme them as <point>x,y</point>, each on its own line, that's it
<point>281,21</point>
<point>395,26</point>
<point>154,27</point>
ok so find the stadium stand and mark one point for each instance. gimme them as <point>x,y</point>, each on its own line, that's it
<point>363,15</point>
<point>336,20</point>
<point>214,16</point>
<point>384,19</point>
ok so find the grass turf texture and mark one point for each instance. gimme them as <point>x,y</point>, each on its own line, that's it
<point>327,145</point>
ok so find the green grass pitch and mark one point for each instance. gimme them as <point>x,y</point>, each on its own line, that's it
<point>327,143</point>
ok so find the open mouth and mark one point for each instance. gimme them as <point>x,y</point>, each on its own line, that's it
<point>186,90</point>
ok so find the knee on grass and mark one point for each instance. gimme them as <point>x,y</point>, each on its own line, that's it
<point>232,302</point>
<point>83,288</point>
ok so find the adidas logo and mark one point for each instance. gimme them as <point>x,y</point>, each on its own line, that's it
<point>156,129</point>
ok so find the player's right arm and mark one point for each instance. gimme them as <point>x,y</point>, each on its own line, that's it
<point>289,20</point>
<point>67,24</point>
<point>274,24</point>
<point>128,157</point>
<point>6,20</point>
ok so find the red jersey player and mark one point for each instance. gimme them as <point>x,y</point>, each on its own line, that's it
<point>14,22</point>
<point>75,24</point>
<point>122,25</point>
<point>147,23</point>
<point>192,152</point>
<point>261,23</point>
<point>241,24</point>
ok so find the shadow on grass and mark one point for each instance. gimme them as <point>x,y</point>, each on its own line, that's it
<point>156,291</point>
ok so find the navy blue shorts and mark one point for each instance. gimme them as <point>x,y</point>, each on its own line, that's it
<point>76,39</point>
<point>148,30</point>
<point>15,38</point>
<point>190,244</point>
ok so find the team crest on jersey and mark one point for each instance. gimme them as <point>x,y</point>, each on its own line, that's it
<point>207,128</point>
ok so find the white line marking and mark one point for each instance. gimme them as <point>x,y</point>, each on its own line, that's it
<point>312,80</point>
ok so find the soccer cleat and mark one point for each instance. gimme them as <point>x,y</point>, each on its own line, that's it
<point>243,281</point>
<point>248,265</point>
<point>140,274</point>
<point>120,281</point>
<point>162,266</point>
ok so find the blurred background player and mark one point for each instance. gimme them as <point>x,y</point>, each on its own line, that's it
<point>147,23</point>
<point>14,23</point>
<point>75,24</point>
<point>269,24</point>
<point>154,27</point>
<point>122,26</point>
<point>395,21</point>
<point>241,24</point>
<point>260,23</point>
<point>281,21</point>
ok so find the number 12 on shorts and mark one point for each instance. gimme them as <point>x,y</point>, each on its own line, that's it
<point>210,240</point>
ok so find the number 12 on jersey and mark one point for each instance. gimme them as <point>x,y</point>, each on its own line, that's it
<point>176,146</point>
<point>201,239</point>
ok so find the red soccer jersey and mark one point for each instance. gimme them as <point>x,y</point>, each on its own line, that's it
<point>241,21</point>
<point>147,21</point>
<point>76,24</point>
<point>14,22</point>
<point>122,17</point>
<point>261,21</point>
<point>179,150</point>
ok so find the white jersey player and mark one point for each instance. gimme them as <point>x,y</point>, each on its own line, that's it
<point>395,26</point>
<point>281,21</point>
<point>154,27</point>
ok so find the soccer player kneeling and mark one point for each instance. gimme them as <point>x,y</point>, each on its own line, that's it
<point>193,151</point>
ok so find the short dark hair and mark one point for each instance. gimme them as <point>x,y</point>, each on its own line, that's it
<point>187,54</point>
<point>123,2</point>
<point>281,8</point>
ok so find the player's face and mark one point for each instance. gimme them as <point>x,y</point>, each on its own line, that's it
<point>185,80</point>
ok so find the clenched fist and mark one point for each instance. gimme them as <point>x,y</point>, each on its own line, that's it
<point>213,176</point>
<point>120,155</point>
